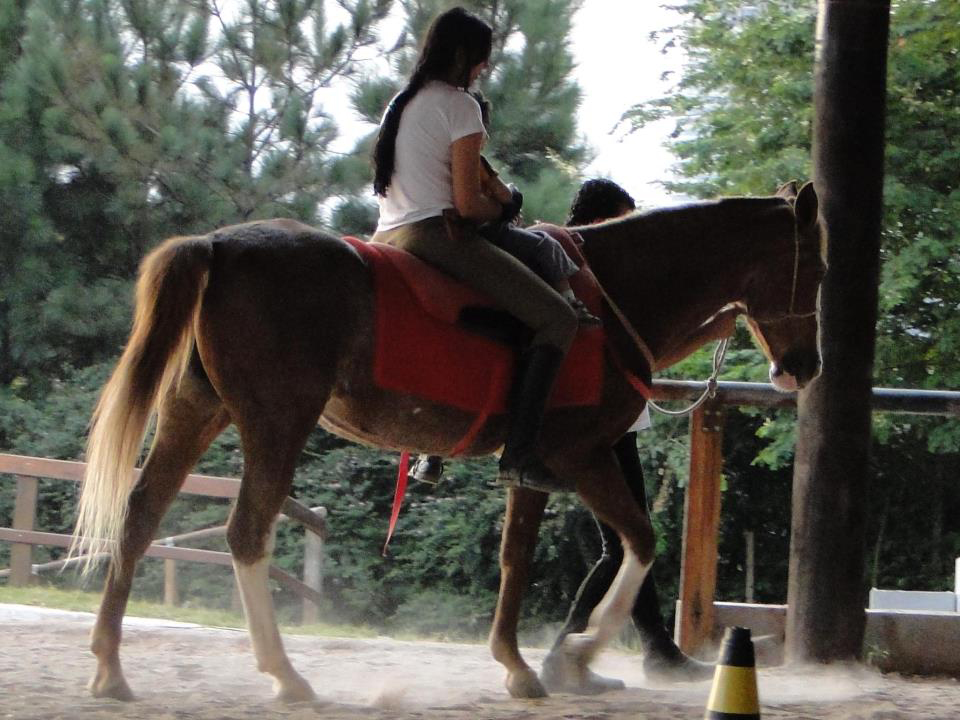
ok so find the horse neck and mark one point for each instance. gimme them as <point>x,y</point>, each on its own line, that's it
<point>670,270</point>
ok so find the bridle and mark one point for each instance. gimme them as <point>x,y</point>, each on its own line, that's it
<point>791,313</point>
<point>721,350</point>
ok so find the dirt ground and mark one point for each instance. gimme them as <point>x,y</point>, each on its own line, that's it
<point>182,672</point>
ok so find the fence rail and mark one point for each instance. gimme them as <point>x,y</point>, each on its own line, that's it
<point>891,400</point>
<point>29,470</point>
<point>695,625</point>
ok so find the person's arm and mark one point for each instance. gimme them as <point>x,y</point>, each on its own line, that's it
<point>468,197</point>
<point>719,326</point>
<point>492,184</point>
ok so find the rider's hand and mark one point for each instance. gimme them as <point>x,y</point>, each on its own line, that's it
<point>512,209</point>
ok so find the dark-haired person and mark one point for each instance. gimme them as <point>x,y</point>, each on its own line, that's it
<point>596,201</point>
<point>427,163</point>
<point>599,199</point>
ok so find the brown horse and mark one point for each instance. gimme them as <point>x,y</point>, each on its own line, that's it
<point>268,325</point>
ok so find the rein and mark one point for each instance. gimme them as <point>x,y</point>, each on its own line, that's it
<point>718,356</point>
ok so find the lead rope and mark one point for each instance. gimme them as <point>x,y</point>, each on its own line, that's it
<point>711,390</point>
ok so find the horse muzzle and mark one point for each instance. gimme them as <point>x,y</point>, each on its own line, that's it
<point>795,370</point>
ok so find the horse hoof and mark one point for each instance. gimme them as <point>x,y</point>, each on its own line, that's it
<point>589,683</point>
<point>680,669</point>
<point>110,687</point>
<point>525,684</point>
<point>293,689</point>
<point>561,674</point>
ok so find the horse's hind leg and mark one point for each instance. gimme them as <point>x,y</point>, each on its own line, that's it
<point>519,539</point>
<point>271,446</point>
<point>189,419</point>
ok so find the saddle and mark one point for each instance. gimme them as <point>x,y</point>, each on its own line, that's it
<point>440,340</point>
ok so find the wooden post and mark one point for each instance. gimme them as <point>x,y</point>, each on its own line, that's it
<point>956,580</point>
<point>171,592</point>
<point>312,568</point>
<point>749,562</point>
<point>314,535</point>
<point>826,592</point>
<point>24,514</point>
<point>701,525</point>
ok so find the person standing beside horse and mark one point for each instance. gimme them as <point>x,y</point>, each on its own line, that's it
<point>426,164</point>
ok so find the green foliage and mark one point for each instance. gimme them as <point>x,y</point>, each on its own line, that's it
<point>743,105</point>
<point>122,123</point>
<point>742,112</point>
<point>50,597</point>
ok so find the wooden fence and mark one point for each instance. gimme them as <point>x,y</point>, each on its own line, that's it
<point>695,618</point>
<point>701,514</point>
<point>27,471</point>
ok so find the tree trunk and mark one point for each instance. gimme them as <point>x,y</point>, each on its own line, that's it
<point>826,591</point>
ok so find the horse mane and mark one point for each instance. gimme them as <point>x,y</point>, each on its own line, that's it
<point>696,209</point>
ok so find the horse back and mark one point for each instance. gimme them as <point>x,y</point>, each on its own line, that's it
<point>283,307</point>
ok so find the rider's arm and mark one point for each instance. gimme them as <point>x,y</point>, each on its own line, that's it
<point>468,197</point>
<point>492,184</point>
<point>718,327</point>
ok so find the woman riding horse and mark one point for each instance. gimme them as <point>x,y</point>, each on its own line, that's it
<point>427,162</point>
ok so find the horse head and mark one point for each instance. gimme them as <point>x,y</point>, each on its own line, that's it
<point>782,302</point>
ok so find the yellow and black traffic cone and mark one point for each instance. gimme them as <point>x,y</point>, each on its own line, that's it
<point>734,692</point>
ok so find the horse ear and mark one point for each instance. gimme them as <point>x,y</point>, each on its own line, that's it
<point>788,190</point>
<point>807,207</point>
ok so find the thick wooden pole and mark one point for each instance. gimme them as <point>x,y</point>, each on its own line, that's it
<point>701,526</point>
<point>826,591</point>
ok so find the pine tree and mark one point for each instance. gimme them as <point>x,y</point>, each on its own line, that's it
<point>278,56</point>
<point>126,121</point>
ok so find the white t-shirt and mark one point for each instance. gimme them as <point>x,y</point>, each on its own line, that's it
<point>421,186</point>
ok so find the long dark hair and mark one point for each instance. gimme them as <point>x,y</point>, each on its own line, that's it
<point>456,42</point>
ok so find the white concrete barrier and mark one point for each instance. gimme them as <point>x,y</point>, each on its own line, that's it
<point>920,600</point>
<point>908,641</point>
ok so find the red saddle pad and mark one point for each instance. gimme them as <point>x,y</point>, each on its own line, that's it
<point>421,350</point>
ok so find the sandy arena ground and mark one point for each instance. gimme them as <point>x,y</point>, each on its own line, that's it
<point>182,672</point>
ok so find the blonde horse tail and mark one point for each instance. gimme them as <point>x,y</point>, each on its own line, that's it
<point>169,290</point>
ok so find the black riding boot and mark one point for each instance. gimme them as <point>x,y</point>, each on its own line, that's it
<point>519,465</point>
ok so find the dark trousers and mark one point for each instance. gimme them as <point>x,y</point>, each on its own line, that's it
<point>646,613</point>
<point>534,248</point>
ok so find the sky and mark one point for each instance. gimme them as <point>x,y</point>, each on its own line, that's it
<point>619,66</point>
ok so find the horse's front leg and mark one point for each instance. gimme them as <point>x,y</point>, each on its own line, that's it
<point>519,539</point>
<point>602,488</point>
